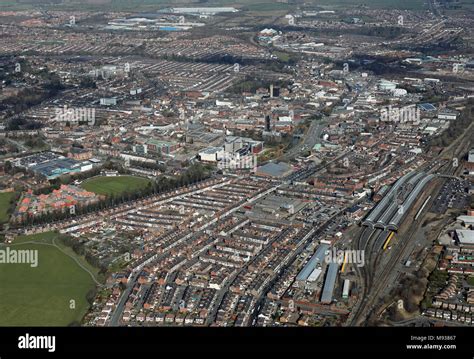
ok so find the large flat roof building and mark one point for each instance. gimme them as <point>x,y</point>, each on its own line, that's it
<point>329,284</point>
<point>470,157</point>
<point>277,170</point>
<point>465,237</point>
<point>315,260</point>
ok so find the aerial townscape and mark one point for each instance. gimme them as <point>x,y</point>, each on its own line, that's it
<point>288,163</point>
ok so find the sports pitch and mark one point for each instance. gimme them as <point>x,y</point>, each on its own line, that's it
<point>112,186</point>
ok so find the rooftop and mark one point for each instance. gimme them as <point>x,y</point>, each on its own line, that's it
<point>465,236</point>
<point>274,169</point>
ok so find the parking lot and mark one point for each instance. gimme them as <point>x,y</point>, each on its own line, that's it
<point>453,194</point>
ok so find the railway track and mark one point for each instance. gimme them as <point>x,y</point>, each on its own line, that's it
<point>367,240</point>
<point>371,241</point>
<point>380,278</point>
<point>373,281</point>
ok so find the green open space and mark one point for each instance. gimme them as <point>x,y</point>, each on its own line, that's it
<point>5,203</point>
<point>112,186</point>
<point>376,4</point>
<point>282,56</point>
<point>51,294</point>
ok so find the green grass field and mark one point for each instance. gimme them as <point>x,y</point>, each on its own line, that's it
<point>376,4</point>
<point>5,205</point>
<point>282,56</point>
<point>112,186</point>
<point>42,295</point>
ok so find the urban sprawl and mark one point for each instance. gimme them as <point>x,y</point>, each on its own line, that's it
<point>221,166</point>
